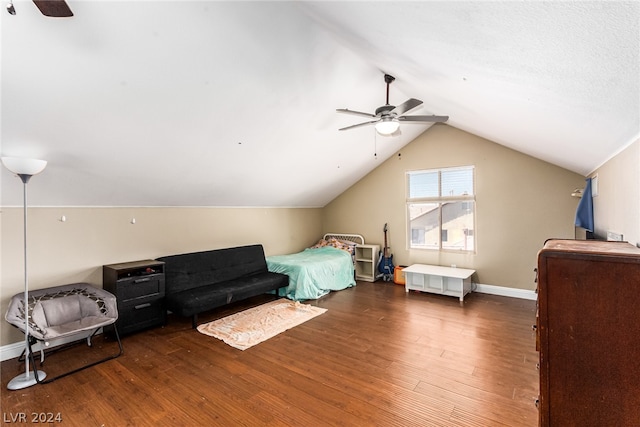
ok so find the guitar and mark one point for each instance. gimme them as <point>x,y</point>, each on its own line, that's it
<point>385,265</point>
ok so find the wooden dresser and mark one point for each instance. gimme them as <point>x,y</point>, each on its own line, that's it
<point>589,333</point>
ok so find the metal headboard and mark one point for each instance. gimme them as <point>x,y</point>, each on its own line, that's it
<point>357,238</point>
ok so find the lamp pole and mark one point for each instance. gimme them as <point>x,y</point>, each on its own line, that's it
<point>25,169</point>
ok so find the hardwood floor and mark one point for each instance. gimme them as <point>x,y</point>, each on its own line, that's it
<point>377,357</point>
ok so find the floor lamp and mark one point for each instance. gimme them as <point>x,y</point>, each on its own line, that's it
<point>25,169</point>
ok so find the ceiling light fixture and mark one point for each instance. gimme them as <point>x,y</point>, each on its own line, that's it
<point>11,9</point>
<point>387,126</point>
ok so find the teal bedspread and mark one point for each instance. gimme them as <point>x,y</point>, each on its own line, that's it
<point>314,272</point>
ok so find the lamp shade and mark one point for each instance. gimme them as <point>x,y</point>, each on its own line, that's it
<point>387,126</point>
<point>21,166</point>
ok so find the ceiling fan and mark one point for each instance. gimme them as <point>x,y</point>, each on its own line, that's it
<point>388,117</point>
<point>52,8</point>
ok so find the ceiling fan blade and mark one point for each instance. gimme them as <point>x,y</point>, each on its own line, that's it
<point>360,124</point>
<point>430,119</point>
<point>54,8</point>
<point>357,113</point>
<point>408,105</point>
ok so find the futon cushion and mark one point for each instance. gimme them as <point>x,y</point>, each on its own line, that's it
<point>196,300</point>
<point>192,270</point>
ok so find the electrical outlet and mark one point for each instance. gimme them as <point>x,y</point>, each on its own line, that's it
<point>614,237</point>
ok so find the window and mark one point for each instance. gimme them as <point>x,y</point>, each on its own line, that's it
<point>441,209</point>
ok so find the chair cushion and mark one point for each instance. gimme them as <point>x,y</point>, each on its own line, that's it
<point>59,311</point>
<point>63,310</point>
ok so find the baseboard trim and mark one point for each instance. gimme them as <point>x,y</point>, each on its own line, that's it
<point>505,292</point>
<point>11,351</point>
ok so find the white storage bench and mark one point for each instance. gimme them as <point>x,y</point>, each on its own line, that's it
<point>452,281</point>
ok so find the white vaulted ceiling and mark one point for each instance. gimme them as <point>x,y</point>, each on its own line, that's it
<point>210,103</point>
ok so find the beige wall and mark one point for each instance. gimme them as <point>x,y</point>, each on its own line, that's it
<point>617,206</point>
<point>75,250</point>
<point>520,202</point>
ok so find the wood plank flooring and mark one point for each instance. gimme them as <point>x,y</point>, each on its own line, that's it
<point>377,357</point>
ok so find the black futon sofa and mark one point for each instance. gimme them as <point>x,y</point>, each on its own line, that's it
<point>200,281</point>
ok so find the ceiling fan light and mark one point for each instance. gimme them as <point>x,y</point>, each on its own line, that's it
<point>387,126</point>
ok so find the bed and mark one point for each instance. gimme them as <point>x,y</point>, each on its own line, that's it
<point>329,265</point>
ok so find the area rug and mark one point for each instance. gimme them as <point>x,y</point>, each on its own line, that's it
<point>255,325</point>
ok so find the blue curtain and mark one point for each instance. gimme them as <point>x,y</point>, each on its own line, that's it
<point>584,213</point>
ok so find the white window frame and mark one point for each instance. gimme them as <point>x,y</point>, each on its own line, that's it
<point>440,200</point>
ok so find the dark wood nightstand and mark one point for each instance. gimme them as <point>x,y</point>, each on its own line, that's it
<point>139,290</point>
